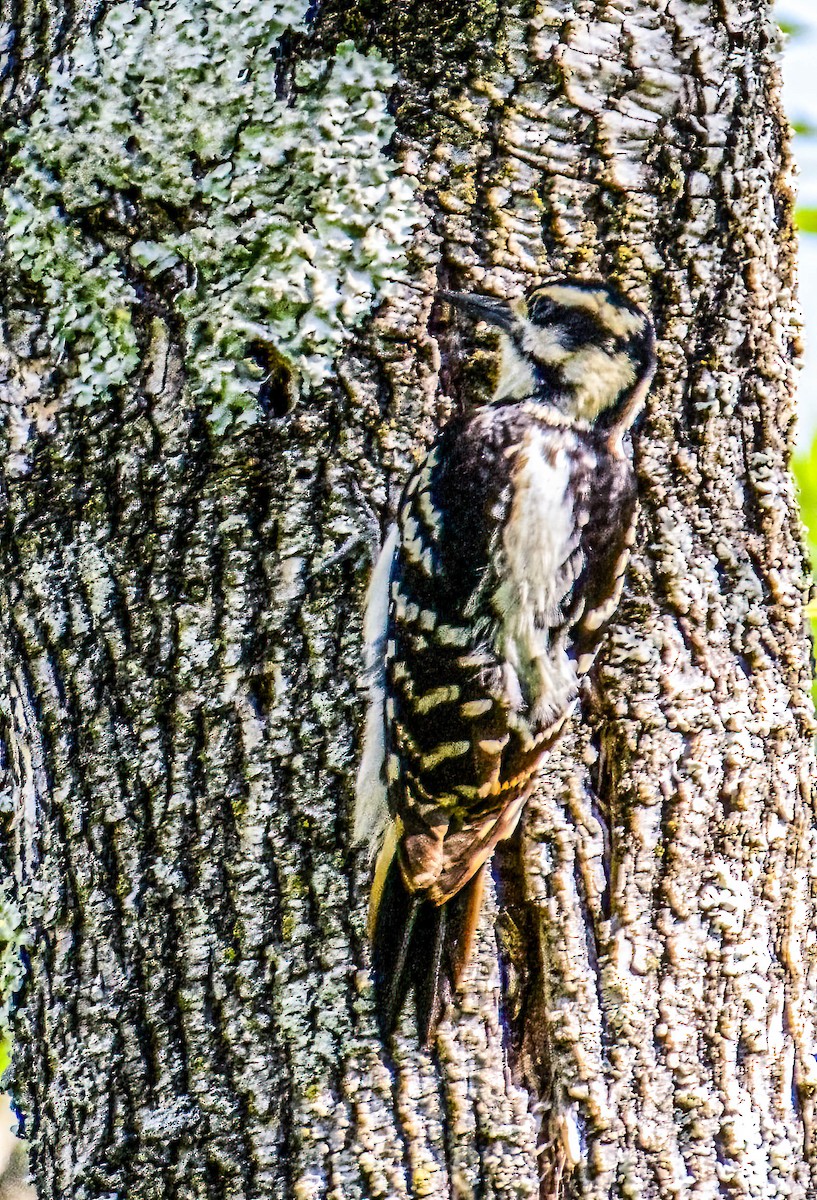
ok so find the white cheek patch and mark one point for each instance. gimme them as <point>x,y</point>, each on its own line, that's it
<point>542,344</point>
<point>516,378</point>
<point>596,379</point>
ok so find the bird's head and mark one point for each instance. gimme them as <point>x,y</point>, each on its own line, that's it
<point>579,346</point>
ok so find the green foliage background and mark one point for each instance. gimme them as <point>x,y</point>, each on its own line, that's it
<point>804,463</point>
<point>805,470</point>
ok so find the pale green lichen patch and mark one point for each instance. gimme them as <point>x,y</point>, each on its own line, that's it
<point>11,939</point>
<point>87,298</point>
<point>162,152</point>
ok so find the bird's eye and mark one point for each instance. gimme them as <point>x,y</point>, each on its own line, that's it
<point>579,328</point>
<point>541,310</point>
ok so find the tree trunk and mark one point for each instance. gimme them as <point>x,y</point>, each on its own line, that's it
<point>220,361</point>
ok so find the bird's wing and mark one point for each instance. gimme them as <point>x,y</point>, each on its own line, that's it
<point>479,675</point>
<point>371,805</point>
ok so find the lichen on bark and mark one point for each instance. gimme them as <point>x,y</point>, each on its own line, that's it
<point>170,149</point>
<point>180,638</point>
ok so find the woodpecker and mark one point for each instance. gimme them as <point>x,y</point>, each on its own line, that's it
<point>485,609</point>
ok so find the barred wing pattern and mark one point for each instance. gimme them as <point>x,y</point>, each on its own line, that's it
<point>513,540</point>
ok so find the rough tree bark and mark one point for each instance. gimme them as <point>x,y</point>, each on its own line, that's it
<point>183,558</point>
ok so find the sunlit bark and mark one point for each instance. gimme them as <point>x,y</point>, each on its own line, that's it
<point>180,641</point>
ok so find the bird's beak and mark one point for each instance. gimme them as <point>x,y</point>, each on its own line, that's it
<point>483,308</point>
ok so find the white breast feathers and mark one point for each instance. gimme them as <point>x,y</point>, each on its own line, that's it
<point>535,574</point>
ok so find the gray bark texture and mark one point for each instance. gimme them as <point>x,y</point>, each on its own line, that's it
<point>180,640</point>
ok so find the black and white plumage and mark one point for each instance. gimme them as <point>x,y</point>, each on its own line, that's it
<point>486,607</point>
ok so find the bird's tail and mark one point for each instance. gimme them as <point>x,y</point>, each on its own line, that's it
<point>417,943</point>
